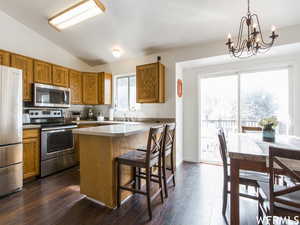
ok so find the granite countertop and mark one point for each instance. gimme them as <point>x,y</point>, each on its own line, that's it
<point>31,126</point>
<point>36,126</point>
<point>105,122</point>
<point>117,130</point>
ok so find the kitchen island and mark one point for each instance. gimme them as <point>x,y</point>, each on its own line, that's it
<point>99,146</point>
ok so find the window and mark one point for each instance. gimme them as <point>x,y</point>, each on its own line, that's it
<point>126,93</point>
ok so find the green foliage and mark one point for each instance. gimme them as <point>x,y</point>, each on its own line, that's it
<point>269,123</point>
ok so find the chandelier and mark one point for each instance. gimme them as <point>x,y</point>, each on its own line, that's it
<point>250,39</point>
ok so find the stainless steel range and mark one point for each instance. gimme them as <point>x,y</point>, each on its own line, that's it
<point>57,141</point>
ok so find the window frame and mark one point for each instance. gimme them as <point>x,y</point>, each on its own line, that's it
<point>129,95</point>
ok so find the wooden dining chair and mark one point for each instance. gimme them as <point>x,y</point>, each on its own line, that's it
<point>143,160</point>
<point>246,129</point>
<point>279,200</point>
<point>247,178</point>
<point>168,149</point>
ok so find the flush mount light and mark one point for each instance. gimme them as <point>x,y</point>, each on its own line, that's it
<point>76,14</point>
<point>116,52</point>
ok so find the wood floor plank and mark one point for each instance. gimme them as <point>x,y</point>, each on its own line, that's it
<point>56,200</point>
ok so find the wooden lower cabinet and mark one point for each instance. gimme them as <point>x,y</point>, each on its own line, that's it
<point>31,153</point>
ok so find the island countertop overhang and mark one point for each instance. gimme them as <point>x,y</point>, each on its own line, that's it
<point>116,130</point>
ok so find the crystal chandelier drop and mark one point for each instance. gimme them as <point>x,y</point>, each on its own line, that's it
<point>250,39</point>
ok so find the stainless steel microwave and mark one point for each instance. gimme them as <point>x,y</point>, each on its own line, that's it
<point>51,96</point>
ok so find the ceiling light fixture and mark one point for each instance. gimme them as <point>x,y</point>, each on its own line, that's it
<point>76,14</point>
<point>116,52</point>
<point>253,41</point>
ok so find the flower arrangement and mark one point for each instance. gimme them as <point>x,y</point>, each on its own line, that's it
<point>269,123</point>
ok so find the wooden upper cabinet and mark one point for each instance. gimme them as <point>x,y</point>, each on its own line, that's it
<point>42,72</point>
<point>75,83</point>
<point>90,88</point>
<point>60,76</point>
<point>105,88</point>
<point>4,58</point>
<point>150,83</point>
<point>26,65</point>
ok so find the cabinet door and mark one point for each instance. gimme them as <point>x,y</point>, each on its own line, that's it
<point>26,65</point>
<point>90,88</point>
<point>60,76</point>
<point>4,58</point>
<point>31,157</point>
<point>105,88</point>
<point>42,72</point>
<point>147,83</point>
<point>75,83</point>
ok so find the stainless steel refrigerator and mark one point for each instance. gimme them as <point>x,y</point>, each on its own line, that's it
<point>11,149</point>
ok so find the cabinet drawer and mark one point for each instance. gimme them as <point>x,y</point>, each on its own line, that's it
<point>31,133</point>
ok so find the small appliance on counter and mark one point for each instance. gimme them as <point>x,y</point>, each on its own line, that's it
<point>91,115</point>
<point>100,116</point>
<point>26,118</point>
<point>76,115</point>
<point>11,148</point>
<point>57,140</point>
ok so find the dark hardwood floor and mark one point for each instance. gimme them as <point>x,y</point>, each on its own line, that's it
<point>56,200</point>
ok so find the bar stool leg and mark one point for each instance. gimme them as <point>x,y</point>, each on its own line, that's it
<point>148,177</point>
<point>173,168</point>
<point>164,169</point>
<point>139,179</point>
<point>134,170</point>
<point>160,181</point>
<point>118,185</point>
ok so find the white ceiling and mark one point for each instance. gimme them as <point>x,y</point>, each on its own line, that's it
<point>147,26</point>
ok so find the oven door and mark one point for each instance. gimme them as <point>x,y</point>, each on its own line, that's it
<point>56,143</point>
<point>51,96</point>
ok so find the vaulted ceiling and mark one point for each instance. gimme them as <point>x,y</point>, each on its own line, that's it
<point>140,27</point>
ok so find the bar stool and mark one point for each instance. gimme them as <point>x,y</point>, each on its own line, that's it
<point>167,152</point>
<point>143,160</point>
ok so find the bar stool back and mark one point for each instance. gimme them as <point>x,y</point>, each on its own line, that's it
<point>168,151</point>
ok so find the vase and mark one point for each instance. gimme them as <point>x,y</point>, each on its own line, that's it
<point>269,135</point>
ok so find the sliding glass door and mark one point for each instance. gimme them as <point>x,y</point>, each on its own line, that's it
<point>219,108</point>
<point>241,99</point>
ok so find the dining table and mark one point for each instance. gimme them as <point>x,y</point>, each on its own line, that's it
<point>248,151</point>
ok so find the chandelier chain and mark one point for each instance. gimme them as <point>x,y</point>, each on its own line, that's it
<point>248,6</point>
